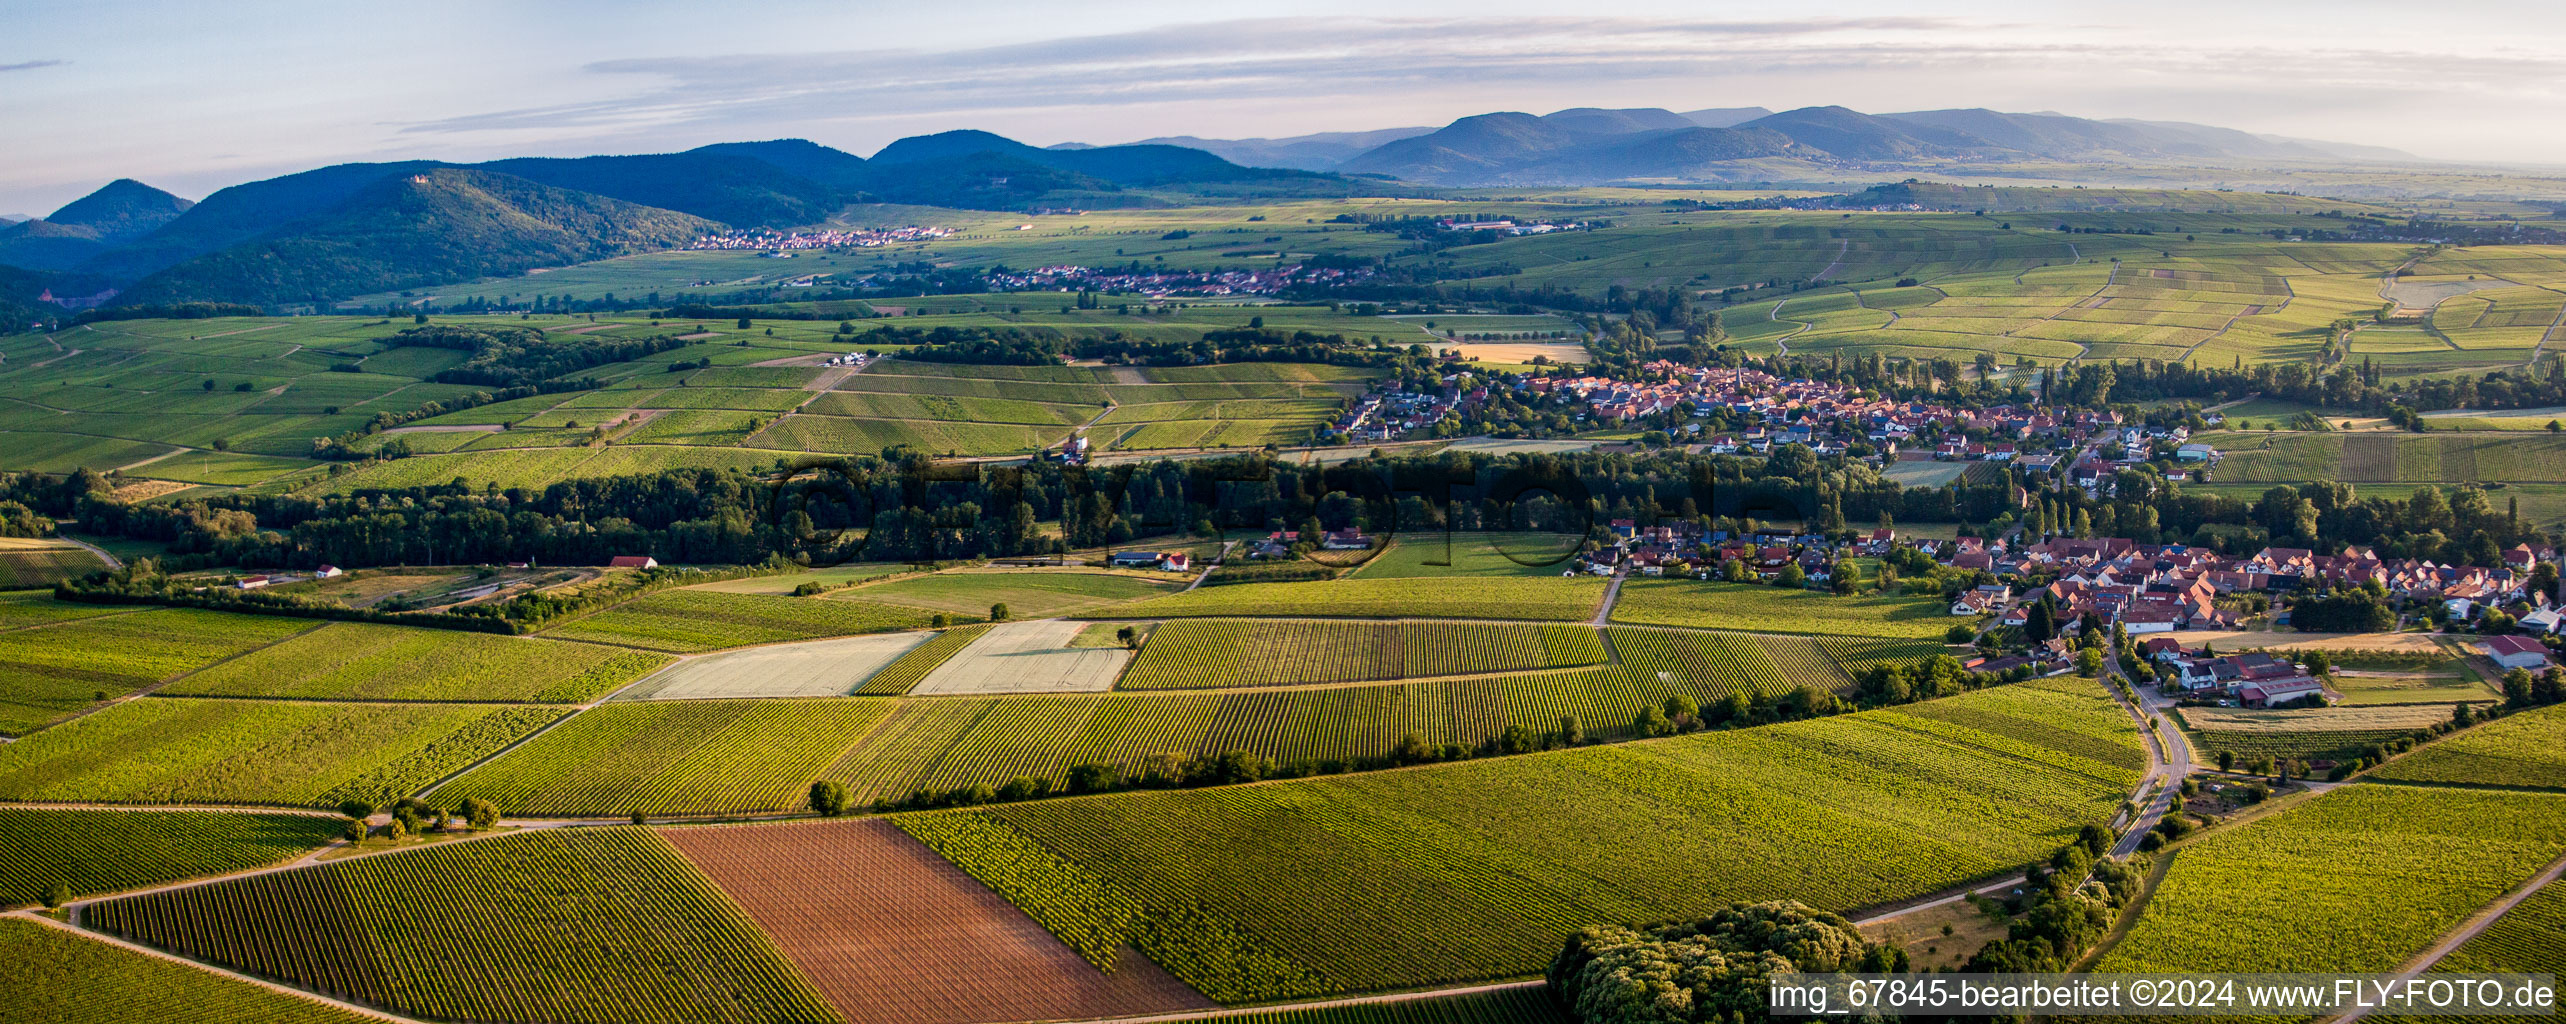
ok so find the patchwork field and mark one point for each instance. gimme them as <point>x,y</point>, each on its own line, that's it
<point>1468,871</point>
<point>749,756</point>
<point>898,677</point>
<point>2366,866</point>
<point>162,750</point>
<point>892,934</point>
<point>817,668</point>
<point>698,757</point>
<point>646,935</point>
<point>1026,657</point>
<point>53,671</point>
<point>1771,610</point>
<point>93,852</point>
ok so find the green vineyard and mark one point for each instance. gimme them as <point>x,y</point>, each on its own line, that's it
<point>90,852</point>
<point>739,756</point>
<point>1527,1005</point>
<point>673,757</point>
<point>683,621</point>
<point>360,661</point>
<point>2524,749</point>
<point>493,930</point>
<point>2367,866</point>
<point>50,976</point>
<point>161,750</point>
<point>1470,871</point>
<point>1210,654</point>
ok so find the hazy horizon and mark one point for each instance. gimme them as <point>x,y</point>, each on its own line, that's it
<point>194,99</point>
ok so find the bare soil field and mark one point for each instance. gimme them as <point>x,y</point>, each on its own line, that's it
<point>2422,293</point>
<point>820,668</point>
<point>1027,657</point>
<point>891,933</point>
<point>1521,351</point>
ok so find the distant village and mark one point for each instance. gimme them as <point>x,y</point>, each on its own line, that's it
<point>1762,411</point>
<point>1165,283</point>
<point>772,242</point>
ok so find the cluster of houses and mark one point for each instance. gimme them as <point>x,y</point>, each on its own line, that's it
<point>1828,418</point>
<point>2255,679</point>
<point>1162,284</point>
<point>1391,410</point>
<point>859,238</point>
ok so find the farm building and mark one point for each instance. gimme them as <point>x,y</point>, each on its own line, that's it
<point>2283,691</point>
<point>2517,652</point>
<point>633,562</point>
<point>1171,561</point>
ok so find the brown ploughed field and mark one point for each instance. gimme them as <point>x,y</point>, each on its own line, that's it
<point>892,933</point>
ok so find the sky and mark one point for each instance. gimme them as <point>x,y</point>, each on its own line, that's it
<point>191,96</point>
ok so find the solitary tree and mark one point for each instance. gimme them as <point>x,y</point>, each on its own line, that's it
<point>481,814</point>
<point>55,894</point>
<point>2227,760</point>
<point>998,612</point>
<point>828,797</point>
<point>1571,731</point>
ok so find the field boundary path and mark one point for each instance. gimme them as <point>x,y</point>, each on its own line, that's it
<point>2484,918</point>
<point>1784,342</point>
<point>1842,246</point>
<point>112,561</point>
<point>1612,593</point>
<point>2546,336</point>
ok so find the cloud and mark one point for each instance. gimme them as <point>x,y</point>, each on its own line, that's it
<point>1254,76</point>
<point>30,65</point>
<point>1304,58</point>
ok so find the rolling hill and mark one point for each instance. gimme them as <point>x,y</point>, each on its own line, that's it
<point>123,210</point>
<point>1586,145</point>
<point>436,225</point>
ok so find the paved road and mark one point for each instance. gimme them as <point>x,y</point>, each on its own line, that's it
<point>1604,612</point>
<point>2169,760</point>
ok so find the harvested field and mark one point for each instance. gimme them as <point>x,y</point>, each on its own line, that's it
<point>2229,640</point>
<point>891,933</point>
<point>1522,351</point>
<point>820,668</point>
<point>2314,719</point>
<point>1027,657</point>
